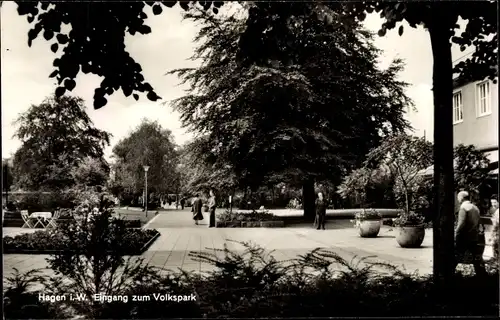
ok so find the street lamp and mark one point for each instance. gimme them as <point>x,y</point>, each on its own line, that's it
<point>146,168</point>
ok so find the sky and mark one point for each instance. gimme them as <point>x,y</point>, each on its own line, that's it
<point>25,70</point>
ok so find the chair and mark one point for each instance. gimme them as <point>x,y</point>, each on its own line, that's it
<point>39,220</point>
<point>27,219</point>
<point>53,221</point>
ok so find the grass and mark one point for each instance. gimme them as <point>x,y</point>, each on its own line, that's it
<point>136,215</point>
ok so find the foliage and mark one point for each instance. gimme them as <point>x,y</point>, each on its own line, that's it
<point>276,141</point>
<point>292,204</point>
<point>102,266</point>
<point>55,136</point>
<point>149,144</point>
<point>408,219</point>
<point>7,177</point>
<point>228,216</point>
<point>91,173</point>
<point>200,176</point>
<point>99,47</point>
<point>406,156</point>
<point>370,214</point>
<point>253,283</point>
<point>20,300</point>
<point>44,241</point>
<point>44,201</point>
<point>471,169</point>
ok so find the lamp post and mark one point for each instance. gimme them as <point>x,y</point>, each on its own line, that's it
<point>146,168</point>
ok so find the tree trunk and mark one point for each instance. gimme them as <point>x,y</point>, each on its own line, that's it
<point>444,216</point>
<point>308,199</point>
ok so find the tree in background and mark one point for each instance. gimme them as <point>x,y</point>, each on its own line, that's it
<point>56,136</point>
<point>91,172</point>
<point>198,175</point>
<point>314,116</point>
<point>149,144</point>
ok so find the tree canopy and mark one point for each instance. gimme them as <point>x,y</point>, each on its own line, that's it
<point>148,145</point>
<point>56,136</point>
<point>306,116</point>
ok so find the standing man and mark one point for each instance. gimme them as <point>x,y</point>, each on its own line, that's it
<point>183,201</point>
<point>321,205</point>
<point>211,208</point>
<point>467,234</point>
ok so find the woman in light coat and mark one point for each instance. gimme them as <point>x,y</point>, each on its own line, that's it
<point>211,209</point>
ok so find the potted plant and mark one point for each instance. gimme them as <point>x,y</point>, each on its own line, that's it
<point>406,156</point>
<point>410,229</point>
<point>368,223</point>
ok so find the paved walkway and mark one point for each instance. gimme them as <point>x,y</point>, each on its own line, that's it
<point>179,236</point>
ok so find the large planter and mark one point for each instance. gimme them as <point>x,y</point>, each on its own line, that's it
<point>410,236</point>
<point>368,228</point>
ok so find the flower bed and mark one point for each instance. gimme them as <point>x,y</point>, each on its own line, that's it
<point>135,242</point>
<point>254,219</point>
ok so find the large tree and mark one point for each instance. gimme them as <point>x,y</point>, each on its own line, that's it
<point>148,145</point>
<point>199,175</point>
<point>56,136</point>
<point>318,112</point>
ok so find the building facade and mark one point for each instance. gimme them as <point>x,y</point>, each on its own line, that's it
<point>475,115</point>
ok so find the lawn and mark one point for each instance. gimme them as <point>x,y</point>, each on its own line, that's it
<point>136,215</point>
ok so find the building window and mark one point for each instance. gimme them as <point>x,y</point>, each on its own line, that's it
<point>483,96</point>
<point>458,110</point>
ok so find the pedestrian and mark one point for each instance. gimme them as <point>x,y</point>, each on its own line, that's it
<point>211,208</point>
<point>493,205</point>
<point>321,205</point>
<point>494,234</point>
<point>183,201</point>
<point>196,209</point>
<point>467,234</point>
<point>169,201</point>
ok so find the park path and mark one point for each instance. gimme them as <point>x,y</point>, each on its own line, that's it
<point>180,236</point>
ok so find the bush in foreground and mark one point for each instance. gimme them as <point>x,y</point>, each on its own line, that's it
<point>253,283</point>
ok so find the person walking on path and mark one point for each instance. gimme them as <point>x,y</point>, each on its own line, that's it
<point>183,201</point>
<point>196,209</point>
<point>467,234</point>
<point>211,208</point>
<point>321,205</point>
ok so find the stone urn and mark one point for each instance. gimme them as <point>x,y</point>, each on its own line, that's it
<point>410,236</point>
<point>368,228</point>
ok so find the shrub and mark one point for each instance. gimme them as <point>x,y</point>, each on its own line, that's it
<point>43,241</point>
<point>252,283</point>
<point>21,302</point>
<point>228,216</point>
<point>45,201</point>
<point>370,214</point>
<point>409,219</point>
